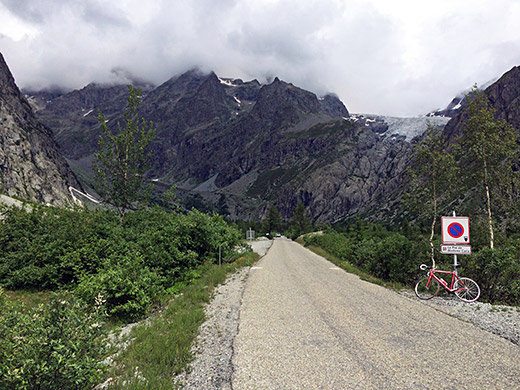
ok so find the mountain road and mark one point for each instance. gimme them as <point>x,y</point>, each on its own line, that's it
<point>306,324</point>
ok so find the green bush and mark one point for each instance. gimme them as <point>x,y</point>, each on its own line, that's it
<point>54,346</point>
<point>334,242</point>
<point>386,255</point>
<point>127,285</point>
<point>497,272</point>
<point>49,248</point>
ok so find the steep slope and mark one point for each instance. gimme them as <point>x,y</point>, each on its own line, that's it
<point>31,166</point>
<point>504,96</point>
<point>74,120</point>
<point>239,146</point>
<point>248,137</point>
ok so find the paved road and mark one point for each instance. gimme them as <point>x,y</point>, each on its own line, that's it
<point>304,324</point>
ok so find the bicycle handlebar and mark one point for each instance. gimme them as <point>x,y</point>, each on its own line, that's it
<point>424,267</point>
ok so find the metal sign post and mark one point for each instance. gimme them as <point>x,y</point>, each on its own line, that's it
<point>455,264</point>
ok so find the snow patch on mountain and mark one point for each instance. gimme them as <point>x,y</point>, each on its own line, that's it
<point>390,126</point>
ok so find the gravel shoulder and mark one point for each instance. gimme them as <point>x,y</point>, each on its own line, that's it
<point>501,320</point>
<point>213,368</point>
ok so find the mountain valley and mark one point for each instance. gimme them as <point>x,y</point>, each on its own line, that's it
<point>237,147</point>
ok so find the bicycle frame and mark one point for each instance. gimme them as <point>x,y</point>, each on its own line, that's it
<point>442,282</point>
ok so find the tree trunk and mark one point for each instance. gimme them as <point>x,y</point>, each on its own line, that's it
<point>490,219</point>
<point>488,200</point>
<point>433,222</point>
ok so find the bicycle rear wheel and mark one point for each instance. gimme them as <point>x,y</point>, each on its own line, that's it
<point>471,291</point>
<point>425,291</point>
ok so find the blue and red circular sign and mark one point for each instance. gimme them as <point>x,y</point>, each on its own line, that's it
<point>455,230</point>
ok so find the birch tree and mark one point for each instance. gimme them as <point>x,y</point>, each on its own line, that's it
<point>432,171</point>
<point>489,156</point>
<point>123,158</point>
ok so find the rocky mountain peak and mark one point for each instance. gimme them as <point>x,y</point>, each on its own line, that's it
<point>244,144</point>
<point>10,95</point>
<point>331,104</point>
<point>504,97</point>
<point>281,102</point>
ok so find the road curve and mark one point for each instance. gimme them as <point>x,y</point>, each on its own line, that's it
<point>305,324</point>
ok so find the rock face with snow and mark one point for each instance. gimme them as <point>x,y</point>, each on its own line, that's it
<point>238,147</point>
<point>32,167</point>
<point>451,109</point>
<point>504,97</point>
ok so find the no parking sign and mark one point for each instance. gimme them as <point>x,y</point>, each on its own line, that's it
<point>455,230</point>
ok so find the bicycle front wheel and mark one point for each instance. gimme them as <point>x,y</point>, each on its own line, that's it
<point>425,291</point>
<point>469,292</point>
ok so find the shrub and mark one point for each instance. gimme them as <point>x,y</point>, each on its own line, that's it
<point>497,272</point>
<point>388,256</point>
<point>172,244</point>
<point>49,248</point>
<point>54,346</point>
<point>126,284</point>
<point>334,242</point>
<point>46,247</point>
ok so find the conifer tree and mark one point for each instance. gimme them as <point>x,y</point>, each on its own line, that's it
<point>273,221</point>
<point>300,224</point>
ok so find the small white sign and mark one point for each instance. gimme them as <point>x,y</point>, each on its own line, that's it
<point>455,230</point>
<point>250,234</point>
<point>456,249</point>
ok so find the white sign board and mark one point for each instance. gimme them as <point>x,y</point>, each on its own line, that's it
<point>456,249</point>
<point>455,230</point>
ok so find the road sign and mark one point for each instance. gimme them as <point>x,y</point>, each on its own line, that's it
<point>455,230</point>
<point>456,249</point>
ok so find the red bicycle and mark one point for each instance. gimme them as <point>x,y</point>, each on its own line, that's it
<point>465,289</point>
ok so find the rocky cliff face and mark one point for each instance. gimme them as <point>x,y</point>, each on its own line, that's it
<point>240,146</point>
<point>504,96</point>
<point>31,165</point>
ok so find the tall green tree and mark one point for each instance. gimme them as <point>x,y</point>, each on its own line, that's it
<point>300,224</point>
<point>433,171</point>
<point>123,158</point>
<point>489,150</point>
<point>273,220</point>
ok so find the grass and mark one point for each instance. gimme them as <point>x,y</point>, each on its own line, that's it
<point>160,348</point>
<point>29,298</point>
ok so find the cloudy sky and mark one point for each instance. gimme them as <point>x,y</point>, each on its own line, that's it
<point>393,57</point>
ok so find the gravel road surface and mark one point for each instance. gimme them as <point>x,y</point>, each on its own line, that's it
<point>305,324</point>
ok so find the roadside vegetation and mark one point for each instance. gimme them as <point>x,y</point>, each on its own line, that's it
<point>475,174</point>
<point>390,256</point>
<point>160,349</point>
<point>70,276</point>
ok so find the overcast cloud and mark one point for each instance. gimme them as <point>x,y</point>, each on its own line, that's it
<point>394,57</point>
